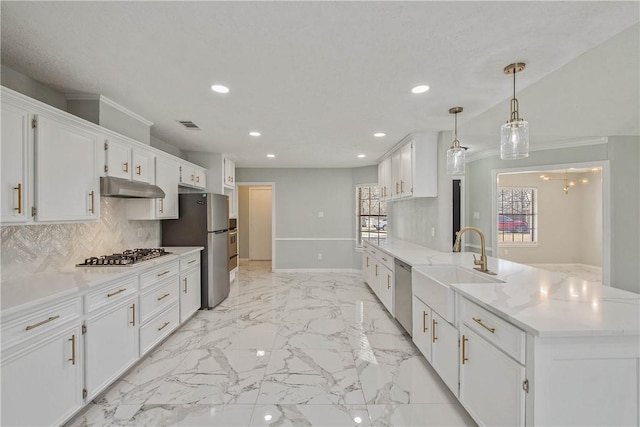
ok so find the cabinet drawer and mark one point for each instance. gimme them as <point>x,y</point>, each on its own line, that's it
<point>500,333</point>
<point>385,259</point>
<point>158,297</point>
<point>110,294</point>
<point>159,327</point>
<point>189,261</point>
<point>159,273</point>
<point>39,321</point>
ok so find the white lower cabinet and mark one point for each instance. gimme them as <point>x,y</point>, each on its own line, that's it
<point>190,290</point>
<point>422,327</point>
<point>491,383</point>
<point>377,271</point>
<point>444,351</point>
<point>159,327</point>
<point>42,378</point>
<point>111,344</point>
<point>386,288</point>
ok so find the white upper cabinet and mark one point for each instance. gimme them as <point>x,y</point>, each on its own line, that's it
<point>411,170</point>
<point>229,169</point>
<point>167,175</point>
<point>192,176</point>
<point>16,134</point>
<point>143,165</point>
<point>66,173</point>
<point>117,155</point>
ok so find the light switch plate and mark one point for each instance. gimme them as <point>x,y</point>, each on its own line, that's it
<point>320,214</point>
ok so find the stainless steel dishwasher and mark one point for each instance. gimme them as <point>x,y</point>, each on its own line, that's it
<point>403,296</point>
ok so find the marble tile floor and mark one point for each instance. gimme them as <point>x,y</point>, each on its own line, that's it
<point>285,349</point>
<point>586,272</point>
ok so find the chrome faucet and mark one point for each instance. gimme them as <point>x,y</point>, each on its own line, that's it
<point>482,262</point>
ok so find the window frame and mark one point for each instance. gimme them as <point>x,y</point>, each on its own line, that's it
<point>532,224</point>
<point>358,215</point>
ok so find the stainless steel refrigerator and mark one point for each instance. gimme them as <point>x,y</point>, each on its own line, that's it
<point>204,221</point>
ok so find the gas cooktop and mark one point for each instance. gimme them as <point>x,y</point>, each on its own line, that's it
<point>124,259</point>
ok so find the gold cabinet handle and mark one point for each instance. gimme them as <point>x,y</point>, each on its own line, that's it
<point>161,205</point>
<point>388,281</point>
<point>119,291</point>
<point>479,322</point>
<point>433,330</point>
<point>192,179</point>
<point>50,319</point>
<point>185,284</point>
<point>397,188</point>
<point>401,186</point>
<point>125,167</point>
<point>464,354</point>
<point>91,208</point>
<point>162,297</point>
<point>163,326</point>
<point>376,270</point>
<point>192,261</point>
<point>367,261</point>
<point>424,321</point>
<point>162,274</point>
<point>73,349</point>
<point>133,314</point>
<point>197,178</point>
<point>19,190</point>
<point>139,170</point>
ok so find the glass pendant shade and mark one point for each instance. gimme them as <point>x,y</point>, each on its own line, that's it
<point>514,140</point>
<point>455,160</point>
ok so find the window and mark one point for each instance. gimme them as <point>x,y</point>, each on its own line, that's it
<point>371,215</point>
<point>517,215</point>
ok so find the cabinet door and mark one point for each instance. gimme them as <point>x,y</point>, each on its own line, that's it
<point>42,384</point>
<point>444,351</point>
<point>16,135</point>
<point>189,293</point>
<point>187,175</point>
<point>199,178</point>
<point>229,168</point>
<point>387,288</point>
<point>118,159</point>
<point>422,327</point>
<point>143,165</point>
<point>111,344</point>
<point>366,261</point>
<point>406,170</point>
<point>396,174</point>
<point>490,382</point>
<point>167,178</point>
<point>67,186</point>
<point>384,175</point>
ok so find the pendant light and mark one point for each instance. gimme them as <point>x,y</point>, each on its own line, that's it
<point>455,154</point>
<point>514,137</point>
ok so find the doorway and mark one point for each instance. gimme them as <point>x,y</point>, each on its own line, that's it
<point>457,208</point>
<point>256,219</point>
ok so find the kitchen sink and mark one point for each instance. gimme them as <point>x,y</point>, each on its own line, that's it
<point>432,284</point>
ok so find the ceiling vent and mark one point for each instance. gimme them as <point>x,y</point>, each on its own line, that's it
<point>189,124</point>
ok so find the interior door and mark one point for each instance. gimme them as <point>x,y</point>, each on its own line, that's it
<point>260,223</point>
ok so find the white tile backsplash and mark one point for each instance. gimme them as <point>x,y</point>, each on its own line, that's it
<point>30,249</point>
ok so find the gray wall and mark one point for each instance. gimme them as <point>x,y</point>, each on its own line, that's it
<point>243,221</point>
<point>33,88</point>
<point>300,194</point>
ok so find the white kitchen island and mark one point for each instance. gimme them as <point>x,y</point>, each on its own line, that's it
<point>533,347</point>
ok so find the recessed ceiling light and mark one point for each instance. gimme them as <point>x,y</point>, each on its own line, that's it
<point>254,133</point>
<point>379,134</point>
<point>220,89</point>
<point>420,89</point>
<point>271,156</point>
<point>362,155</point>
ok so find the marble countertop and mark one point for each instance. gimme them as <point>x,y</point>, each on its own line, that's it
<point>26,291</point>
<point>541,302</point>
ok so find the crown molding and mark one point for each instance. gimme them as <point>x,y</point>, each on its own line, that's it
<point>109,102</point>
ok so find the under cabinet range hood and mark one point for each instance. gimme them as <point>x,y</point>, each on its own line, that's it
<point>119,187</point>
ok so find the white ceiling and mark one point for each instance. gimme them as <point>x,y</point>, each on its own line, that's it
<point>316,78</point>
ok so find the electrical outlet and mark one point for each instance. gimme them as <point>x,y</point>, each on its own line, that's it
<point>319,257</point>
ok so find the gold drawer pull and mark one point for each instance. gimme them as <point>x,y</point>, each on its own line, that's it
<point>73,349</point>
<point>163,273</point>
<point>161,205</point>
<point>424,321</point>
<point>163,297</point>
<point>139,170</point>
<point>185,284</point>
<point>388,281</point>
<point>464,356</point>
<point>376,270</point>
<point>92,208</point>
<point>19,190</point>
<point>163,326</point>
<point>192,261</point>
<point>433,330</point>
<point>119,291</point>
<point>50,319</point>
<point>479,322</point>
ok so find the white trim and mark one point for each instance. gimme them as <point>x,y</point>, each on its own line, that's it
<point>109,102</point>
<point>552,145</point>
<point>273,213</point>
<point>331,239</point>
<point>317,270</point>
<point>606,204</point>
